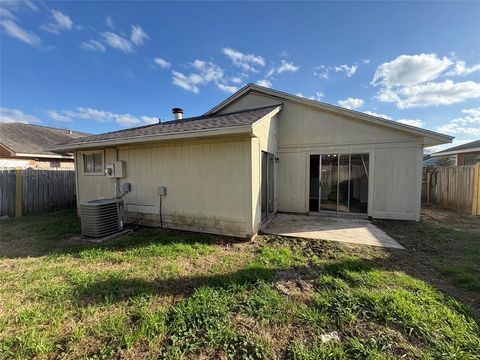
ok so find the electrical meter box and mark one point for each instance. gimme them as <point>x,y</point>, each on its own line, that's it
<point>110,170</point>
<point>162,191</point>
<point>116,170</point>
<point>120,169</point>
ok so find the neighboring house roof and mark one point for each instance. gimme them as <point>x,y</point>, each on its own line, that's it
<point>207,125</point>
<point>431,137</point>
<point>28,140</point>
<point>465,148</point>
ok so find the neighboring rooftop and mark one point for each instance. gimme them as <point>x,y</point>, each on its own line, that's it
<point>20,138</point>
<point>468,147</point>
<point>187,125</point>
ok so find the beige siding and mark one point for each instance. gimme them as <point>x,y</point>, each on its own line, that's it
<point>207,184</point>
<point>303,130</point>
<point>397,182</point>
<point>91,187</point>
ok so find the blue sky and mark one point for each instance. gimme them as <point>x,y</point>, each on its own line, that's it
<point>100,66</point>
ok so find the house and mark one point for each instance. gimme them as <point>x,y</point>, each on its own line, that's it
<point>258,152</point>
<point>23,146</point>
<point>466,154</point>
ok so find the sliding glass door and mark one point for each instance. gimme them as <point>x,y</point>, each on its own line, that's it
<point>339,183</point>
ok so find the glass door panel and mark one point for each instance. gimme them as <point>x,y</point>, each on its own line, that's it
<point>343,183</point>
<point>328,182</point>
<point>314,183</point>
<point>359,183</point>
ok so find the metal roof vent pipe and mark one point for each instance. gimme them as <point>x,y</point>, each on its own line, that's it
<point>177,113</point>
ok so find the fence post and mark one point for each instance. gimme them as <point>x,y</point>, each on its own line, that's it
<point>476,190</point>
<point>18,192</point>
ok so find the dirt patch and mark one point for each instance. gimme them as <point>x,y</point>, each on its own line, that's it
<point>290,282</point>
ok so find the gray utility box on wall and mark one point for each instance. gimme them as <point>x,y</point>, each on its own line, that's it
<point>101,217</point>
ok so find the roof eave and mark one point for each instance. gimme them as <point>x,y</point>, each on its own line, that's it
<point>48,156</point>
<point>234,130</point>
<point>453,152</point>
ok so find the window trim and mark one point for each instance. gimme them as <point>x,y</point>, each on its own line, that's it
<point>91,152</point>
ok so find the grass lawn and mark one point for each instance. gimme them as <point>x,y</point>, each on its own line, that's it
<point>168,294</point>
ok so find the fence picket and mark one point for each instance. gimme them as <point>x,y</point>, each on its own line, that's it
<point>450,186</point>
<point>42,191</point>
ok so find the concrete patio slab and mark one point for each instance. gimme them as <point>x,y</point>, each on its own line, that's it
<point>334,228</point>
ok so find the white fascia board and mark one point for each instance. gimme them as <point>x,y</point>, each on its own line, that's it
<point>270,114</point>
<point>47,156</point>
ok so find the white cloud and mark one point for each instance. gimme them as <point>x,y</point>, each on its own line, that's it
<point>109,22</point>
<point>59,22</point>
<point>14,115</point>
<point>138,36</point>
<point>207,72</point>
<point>265,83</point>
<point>14,30</point>
<point>430,94</point>
<point>468,124</point>
<point>366,61</point>
<point>162,63</point>
<point>117,42</point>
<point>236,80</point>
<point>351,103</point>
<point>412,122</point>
<point>318,96</point>
<point>15,5</point>
<point>287,67</point>
<point>378,115</point>
<point>93,45</point>
<point>348,70</point>
<point>461,68</point>
<point>55,115</point>
<point>227,88</point>
<point>410,70</point>
<point>248,62</point>
<point>103,116</point>
<point>7,14</point>
<point>321,71</point>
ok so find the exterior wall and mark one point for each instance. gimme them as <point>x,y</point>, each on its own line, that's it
<point>395,156</point>
<point>44,164</point>
<point>208,184</point>
<point>9,161</point>
<point>461,157</point>
<point>265,138</point>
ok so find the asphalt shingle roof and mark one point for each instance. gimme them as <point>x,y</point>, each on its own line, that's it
<point>32,139</point>
<point>470,145</point>
<point>205,122</point>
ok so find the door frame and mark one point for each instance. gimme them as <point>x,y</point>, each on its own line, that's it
<point>270,182</point>
<point>371,179</point>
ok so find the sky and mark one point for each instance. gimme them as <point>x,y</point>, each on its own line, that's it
<point>101,66</point>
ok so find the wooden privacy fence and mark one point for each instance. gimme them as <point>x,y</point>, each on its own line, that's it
<point>452,187</point>
<point>32,191</point>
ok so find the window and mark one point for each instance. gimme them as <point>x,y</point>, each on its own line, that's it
<point>93,163</point>
<point>471,159</point>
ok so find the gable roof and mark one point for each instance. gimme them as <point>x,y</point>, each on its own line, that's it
<point>468,147</point>
<point>205,125</point>
<point>430,137</point>
<point>30,140</point>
